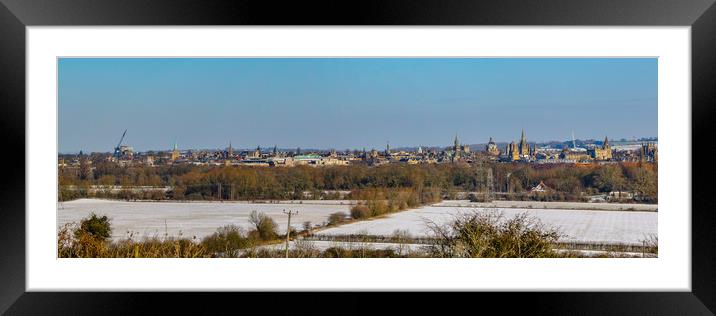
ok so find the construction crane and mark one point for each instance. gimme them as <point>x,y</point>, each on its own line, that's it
<point>118,150</point>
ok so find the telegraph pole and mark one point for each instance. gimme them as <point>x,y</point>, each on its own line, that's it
<point>288,227</point>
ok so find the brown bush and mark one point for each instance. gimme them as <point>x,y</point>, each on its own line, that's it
<point>489,235</point>
<point>360,211</point>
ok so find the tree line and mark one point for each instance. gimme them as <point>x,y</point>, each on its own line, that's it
<point>254,183</point>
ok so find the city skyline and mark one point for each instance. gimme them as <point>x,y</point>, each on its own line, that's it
<point>267,147</point>
<point>341,103</point>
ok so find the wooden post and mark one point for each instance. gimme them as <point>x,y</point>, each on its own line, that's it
<point>288,228</point>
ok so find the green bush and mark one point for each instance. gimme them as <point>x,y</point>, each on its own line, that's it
<point>264,226</point>
<point>95,227</point>
<point>227,241</point>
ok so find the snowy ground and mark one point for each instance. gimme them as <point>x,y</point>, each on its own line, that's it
<point>200,219</point>
<point>629,227</point>
<point>406,248</point>
<point>553,205</point>
<point>323,245</point>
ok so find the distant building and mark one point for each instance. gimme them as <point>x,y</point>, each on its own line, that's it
<point>512,152</point>
<point>575,154</point>
<point>648,152</point>
<point>492,149</point>
<point>541,187</point>
<point>524,147</point>
<point>458,151</point>
<point>603,153</point>
<point>256,153</point>
<point>520,151</point>
<point>175,152</point>
<point>149,160</point>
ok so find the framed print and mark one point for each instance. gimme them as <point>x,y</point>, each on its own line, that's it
<point>386,147</point>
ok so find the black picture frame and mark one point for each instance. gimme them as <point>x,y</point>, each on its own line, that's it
<point>15,15</point>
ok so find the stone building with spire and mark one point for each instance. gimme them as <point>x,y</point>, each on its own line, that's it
<point>459,151</point>
<point>604,153</point>
<point>175,152</point>
<point>520,151</point>
<point>524,147</point>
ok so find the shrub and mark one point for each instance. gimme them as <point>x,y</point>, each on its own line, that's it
<point>489,235</point>
<point>195,196</point>
<point>430,195</point>
<point>360,211</point>
<point>264,226</point>
<point>479,197</point>
<point>307,227</point>
<point>94,227</point>
<point>377,207</point>
<point>227,241</point>
<point>336,218</point>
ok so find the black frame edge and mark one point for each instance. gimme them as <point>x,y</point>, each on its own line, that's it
<point>12,127</point>
<point>703,99</point>
<point>14,15</point>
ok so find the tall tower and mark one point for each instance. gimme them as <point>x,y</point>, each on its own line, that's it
<point>231,150</point>
<point>514,153</point>
<point>524,147</point>
<point>175,152</point>
<point>387,148</point>
<point>574,142</point>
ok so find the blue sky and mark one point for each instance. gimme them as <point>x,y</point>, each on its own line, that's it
<point>350,102</point>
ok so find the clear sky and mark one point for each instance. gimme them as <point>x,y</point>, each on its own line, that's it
<point>350,102</point>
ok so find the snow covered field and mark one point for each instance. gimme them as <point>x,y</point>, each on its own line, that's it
<point>553,205</point>
<point>323,245</point>
<point>578,225</point>
<point>200,219</point>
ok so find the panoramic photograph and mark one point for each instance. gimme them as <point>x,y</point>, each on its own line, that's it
<point>330,157</point>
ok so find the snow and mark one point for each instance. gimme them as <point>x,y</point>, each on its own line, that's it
<point>552,205</point>
<point>323,245</point>
<point>588,226</point>
<point>200,219</point>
